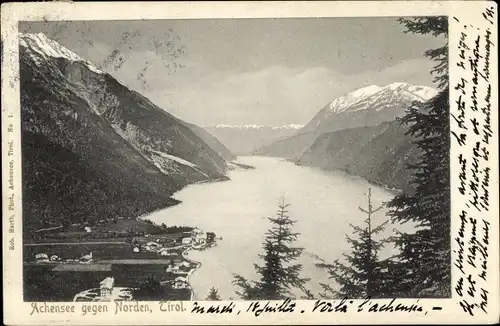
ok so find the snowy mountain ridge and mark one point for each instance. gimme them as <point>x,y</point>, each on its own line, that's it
<point>376,96</point>
<point>48,48</point>
<point>255,126</point>
<point>86,93</point>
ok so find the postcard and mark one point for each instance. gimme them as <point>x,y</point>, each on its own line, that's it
<point>250,163</point>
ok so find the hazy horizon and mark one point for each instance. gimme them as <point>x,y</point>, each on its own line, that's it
<point>269,72</point>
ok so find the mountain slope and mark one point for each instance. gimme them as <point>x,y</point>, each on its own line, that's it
<point>92,147</point>
<point>145,126</point>
<point>376,153</point>
<point>212,141</point>
<point>368,106</point>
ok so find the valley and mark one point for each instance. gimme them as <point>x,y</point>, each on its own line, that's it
<point>359,134</point>
<point>123,200</point>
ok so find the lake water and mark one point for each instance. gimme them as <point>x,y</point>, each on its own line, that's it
<point>323,204</point>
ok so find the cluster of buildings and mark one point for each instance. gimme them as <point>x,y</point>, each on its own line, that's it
<point>181,268</point>
<point>180,283</point>
<point>153,247</point>
<point>45,258</point>
<point>107,291</point>
<point>197,239</point>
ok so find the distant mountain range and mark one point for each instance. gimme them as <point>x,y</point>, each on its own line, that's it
<point>244,139</point>
<point>93,148</point>
<point>358,133</point>
<point>367,106</point>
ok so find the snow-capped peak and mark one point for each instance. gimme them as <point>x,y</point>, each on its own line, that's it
<point>47,48</point>
<point>365,91</point>
<point>255,126</point>
<point>396,85</point>
<point>289,126</point>
<point>373,95</point>
<point>251,126</point>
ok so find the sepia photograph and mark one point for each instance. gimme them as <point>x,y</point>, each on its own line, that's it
<point>250,163</point>
<point>253,159</point>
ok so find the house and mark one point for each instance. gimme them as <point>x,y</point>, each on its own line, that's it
<point>54,258</point>
<point>199,236</point>
<point>41,257</point>
<point>180,283</point>
<point>163,252</point>
<point>87,229</point>
<point>153,244</point>
<point>106,287</point>
<point>85,259</point>
<point>185,264</point>
<point>136,249</point>
<point>174,269</point>
<point>186,240</point>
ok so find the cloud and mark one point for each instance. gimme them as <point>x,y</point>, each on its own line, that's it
<point>261,71</point>
<point>275,95</point>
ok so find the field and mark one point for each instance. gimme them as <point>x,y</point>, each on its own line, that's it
<point>75,251</point>
<point>43,283</point>
<point>83,268</point>
<point>115,230</point>
<point>111,244</point>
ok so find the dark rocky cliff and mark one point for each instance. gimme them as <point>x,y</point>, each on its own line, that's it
<point>93,148</point>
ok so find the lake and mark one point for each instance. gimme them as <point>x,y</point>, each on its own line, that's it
<point>323,203</point>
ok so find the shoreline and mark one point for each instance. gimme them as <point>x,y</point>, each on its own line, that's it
<point>191,272</point>
<point>198,266</point>
<point>376,183</point>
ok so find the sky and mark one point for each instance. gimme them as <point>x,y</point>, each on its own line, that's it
<point>248,71</point>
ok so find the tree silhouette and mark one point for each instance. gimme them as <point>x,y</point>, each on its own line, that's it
<point>361,276</point>
<point>278,274</point>
<point>213,295</point>
<point>424,262</point>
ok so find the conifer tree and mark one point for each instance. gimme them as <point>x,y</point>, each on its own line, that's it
<point>361,275</point>
<point>213,295</point>
<point>425,255</point>
<point>278,275</point>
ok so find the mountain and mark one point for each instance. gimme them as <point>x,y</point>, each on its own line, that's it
<point>213,142</point>
<point>244,139</point>
<point>92,147</point>
<point>379,154</point>
<point>367,106</point>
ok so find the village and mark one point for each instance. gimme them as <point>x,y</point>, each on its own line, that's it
<point>149,265</point>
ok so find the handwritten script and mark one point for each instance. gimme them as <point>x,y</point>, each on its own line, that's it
<point>472,134</point>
